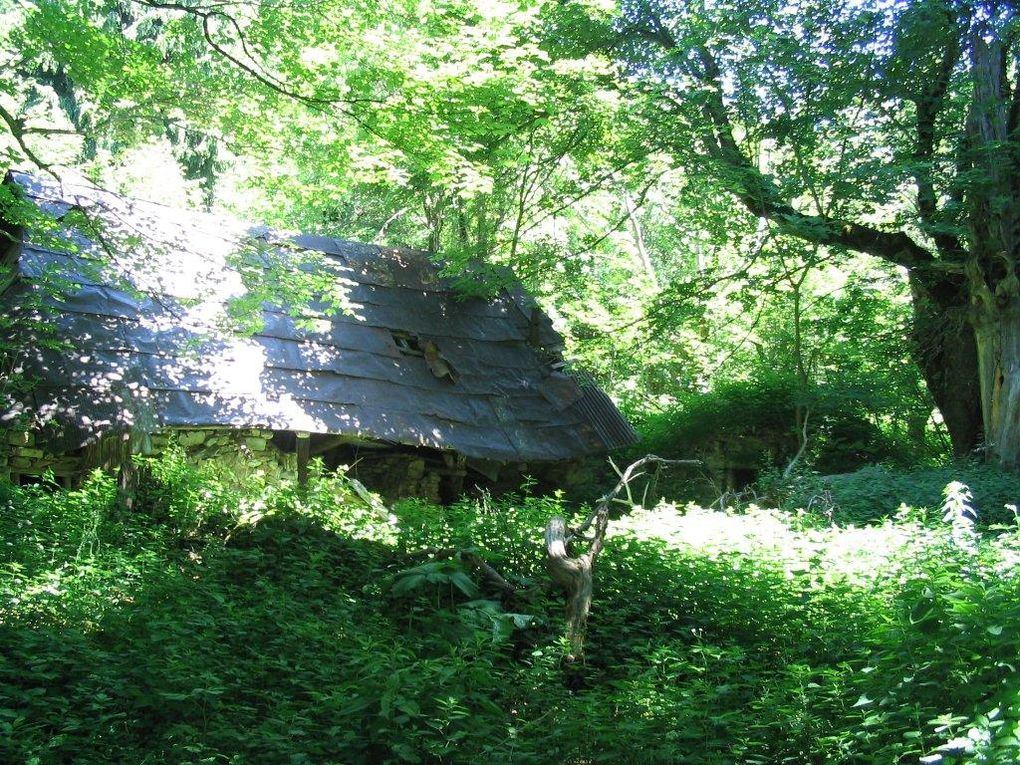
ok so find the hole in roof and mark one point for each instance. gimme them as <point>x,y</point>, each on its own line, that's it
<point>408,344</point>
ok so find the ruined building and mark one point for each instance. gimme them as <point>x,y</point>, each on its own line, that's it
<point>125,322</point>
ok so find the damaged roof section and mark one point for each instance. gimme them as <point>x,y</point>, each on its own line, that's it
<point>131,325</point>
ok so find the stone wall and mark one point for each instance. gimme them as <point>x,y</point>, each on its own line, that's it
<point>396,473</point>
<point>19,456</point>
<point>244,452</point>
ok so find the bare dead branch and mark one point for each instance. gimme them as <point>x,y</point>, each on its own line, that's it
<point>575,573</point>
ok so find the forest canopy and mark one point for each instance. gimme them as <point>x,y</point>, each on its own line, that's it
<point>700,192</point>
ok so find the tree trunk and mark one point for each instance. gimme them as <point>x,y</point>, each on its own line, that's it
<point>574,575</point>
<point>994,223</point>
<point>639,239</point>
<point>997,329</point>
<point>945,350</point>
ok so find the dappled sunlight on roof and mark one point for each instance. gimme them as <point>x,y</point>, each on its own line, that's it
<point>149,317</point>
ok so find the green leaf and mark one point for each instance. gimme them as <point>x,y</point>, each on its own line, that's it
<point>405,584</point>
<point>463,582</point>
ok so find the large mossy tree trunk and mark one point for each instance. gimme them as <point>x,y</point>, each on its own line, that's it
<point>945,350</point>
<point>998,346</point>
<point>993,207</point>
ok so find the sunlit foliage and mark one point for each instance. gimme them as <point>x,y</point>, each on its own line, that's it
<point>274,625</point>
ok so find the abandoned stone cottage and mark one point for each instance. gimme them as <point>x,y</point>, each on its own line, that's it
<point>121,328</point>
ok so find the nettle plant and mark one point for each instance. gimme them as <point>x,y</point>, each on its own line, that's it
<point>958,511</point>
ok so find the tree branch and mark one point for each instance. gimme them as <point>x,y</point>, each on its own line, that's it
<point>207,14</point>
<point>929,105</point>
<point>760,194</point>
<point>16,126</point>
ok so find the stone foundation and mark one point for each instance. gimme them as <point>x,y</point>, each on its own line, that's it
<point>392,473</point>
<point>244,453</point>
<point>19,456</point>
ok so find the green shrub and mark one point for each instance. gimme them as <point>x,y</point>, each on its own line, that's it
<point>753,424</point>
<point>876,492</point>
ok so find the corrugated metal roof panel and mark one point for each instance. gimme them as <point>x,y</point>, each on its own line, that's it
<point>598,409</point>
<point>146,342</point>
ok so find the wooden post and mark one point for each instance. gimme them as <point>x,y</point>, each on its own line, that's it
<point>303,449</point>
<point>451,483</point>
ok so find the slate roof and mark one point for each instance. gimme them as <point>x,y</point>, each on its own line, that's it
<point>131,333</point>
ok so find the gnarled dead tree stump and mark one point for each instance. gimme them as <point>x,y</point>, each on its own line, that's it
<point>575,573</point>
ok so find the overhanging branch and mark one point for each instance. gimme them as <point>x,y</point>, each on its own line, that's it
<point>758,192</point>
<point>929,105</point>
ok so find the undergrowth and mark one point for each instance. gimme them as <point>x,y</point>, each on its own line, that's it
<point>876,492</point>
<point>270,625</point>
